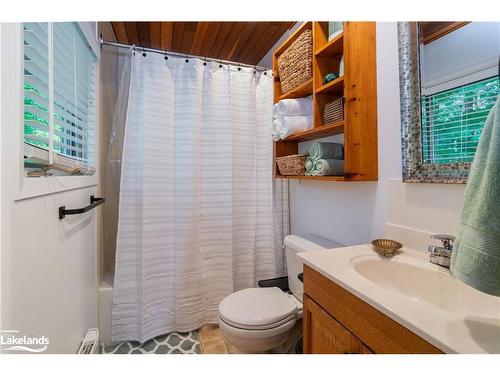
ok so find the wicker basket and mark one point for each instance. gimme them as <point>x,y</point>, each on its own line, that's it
<point>333,111</point>
<point>295,63</point>
<point>292,165</point>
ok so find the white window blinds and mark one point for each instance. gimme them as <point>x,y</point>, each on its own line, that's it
<point>67,128</point>
<point>36,85</point>
<point>452,121</point>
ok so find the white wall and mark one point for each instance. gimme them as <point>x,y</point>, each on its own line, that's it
<point>353,213</point>
<point>48,266</point>
<point>472,48</point>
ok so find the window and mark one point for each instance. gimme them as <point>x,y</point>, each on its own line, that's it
<point>452,121</point>
<point>59,97</point>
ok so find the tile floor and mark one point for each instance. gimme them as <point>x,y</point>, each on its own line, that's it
<point>173,343</point>
<point>206,340</point>
<point>211,340</point>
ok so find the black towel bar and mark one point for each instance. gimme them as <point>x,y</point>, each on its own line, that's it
<point>94,202</point>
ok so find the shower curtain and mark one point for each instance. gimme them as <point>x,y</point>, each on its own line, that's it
<point>199,213</point>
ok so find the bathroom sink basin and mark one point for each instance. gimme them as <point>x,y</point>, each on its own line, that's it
<point>421,296</point>
<point>416,280</point>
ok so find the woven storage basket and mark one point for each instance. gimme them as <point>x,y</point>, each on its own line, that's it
<point>292,165</point>
<point>333,111</point>
<point>295,63</point>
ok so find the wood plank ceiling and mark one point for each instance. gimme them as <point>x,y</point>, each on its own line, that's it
<point>245,42</point>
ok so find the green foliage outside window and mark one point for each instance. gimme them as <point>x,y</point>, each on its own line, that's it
<point>452,121</point>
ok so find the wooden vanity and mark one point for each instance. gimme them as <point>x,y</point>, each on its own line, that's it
<point>338,322</point>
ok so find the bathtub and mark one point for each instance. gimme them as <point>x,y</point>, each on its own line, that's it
<point>105,304</point>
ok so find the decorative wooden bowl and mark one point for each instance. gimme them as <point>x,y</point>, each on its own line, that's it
<point>385,247</point>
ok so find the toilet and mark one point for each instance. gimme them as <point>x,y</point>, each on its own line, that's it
<point>258,320</point>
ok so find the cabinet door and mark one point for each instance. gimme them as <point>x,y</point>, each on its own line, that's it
<point>324,335</point>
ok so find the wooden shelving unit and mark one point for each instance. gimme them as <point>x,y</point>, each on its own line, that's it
<point>305,89</point>
<point>335,87</point>
<point>358,88</point>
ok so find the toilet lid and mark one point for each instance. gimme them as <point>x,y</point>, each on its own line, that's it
<point>257,307</point>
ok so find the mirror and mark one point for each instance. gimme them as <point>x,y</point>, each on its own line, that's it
<point>448,84</point>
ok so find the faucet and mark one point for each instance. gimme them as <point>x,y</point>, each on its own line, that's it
<point>441,255</point>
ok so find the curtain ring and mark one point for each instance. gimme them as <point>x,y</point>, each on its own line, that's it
<point>143,52</point>
<point>187,60</point>
<point>166,55</point>
<point>205,62</point>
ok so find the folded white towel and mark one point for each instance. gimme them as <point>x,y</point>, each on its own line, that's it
<point>292,124</point>
<point>293,107</point>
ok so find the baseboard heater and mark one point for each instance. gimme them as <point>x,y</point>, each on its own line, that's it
<point>90,343</point>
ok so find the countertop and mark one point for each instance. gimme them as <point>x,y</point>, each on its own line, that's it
<point>444,311</point>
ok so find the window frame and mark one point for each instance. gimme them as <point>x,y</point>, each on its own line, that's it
<point>12,82</point>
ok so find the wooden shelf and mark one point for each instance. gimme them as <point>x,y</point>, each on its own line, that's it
<point>303,90</point>
<point>318,132</point>
<point>318,178</point>
<point>335,87</point>
<point>334,47</point>
<point>357,43</point>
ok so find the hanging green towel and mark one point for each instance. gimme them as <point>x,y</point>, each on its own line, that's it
<point>476,256</point>
<point>326,150</point>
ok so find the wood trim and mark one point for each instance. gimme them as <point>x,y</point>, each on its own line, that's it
<point>166,35</point>
<point>155,34</point>
<point>132,32</point>
<point>120,32</point>
<point>431,31</point>
<point>144,34</point>
<point>376,330</point>
<point>360,91</point>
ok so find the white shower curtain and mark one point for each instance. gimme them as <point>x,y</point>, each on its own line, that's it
<point>197,217</point>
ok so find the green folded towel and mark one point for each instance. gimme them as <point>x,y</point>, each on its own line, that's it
<point>328,167</point>
<point>309,166</point>
<point>326,150</point>
<point>476,256</point>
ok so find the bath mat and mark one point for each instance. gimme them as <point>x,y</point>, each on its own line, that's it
<point>173,343</point>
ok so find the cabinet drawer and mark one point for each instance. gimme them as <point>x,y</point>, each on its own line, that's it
<point>373,328</point>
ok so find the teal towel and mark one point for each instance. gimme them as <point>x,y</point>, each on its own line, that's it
<point>326,150</point>
<point>476,256</point>
<point>328,167</point>
<point>309,166</point>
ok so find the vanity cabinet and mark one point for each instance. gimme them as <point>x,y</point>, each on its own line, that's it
<point>325,335</point>
<point>338,322</point>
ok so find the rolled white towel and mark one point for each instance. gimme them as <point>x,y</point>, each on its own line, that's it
<point>277,129</point>
<point>292,124</point>
<point>293,107</point>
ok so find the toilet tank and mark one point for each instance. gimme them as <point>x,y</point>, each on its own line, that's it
<point>299,244</point>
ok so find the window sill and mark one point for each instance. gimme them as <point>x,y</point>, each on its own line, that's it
<point>32,187</point>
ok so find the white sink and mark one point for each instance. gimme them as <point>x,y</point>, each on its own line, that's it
<point>421,296</point>
<point>421,282</point>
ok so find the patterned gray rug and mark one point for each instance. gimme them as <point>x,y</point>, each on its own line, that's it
<point>173,343</point>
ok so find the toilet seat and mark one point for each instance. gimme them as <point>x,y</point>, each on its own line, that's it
<point>259,309</point>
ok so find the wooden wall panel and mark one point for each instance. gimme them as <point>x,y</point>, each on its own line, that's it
<point>166,36</point>
<point>246,42</point>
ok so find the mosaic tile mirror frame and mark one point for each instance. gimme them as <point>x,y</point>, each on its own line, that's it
<point>415,168</point>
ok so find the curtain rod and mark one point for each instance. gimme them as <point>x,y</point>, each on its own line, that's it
<point>168,53</point>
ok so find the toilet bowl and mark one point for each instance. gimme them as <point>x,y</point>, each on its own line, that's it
<point>257,320</point>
